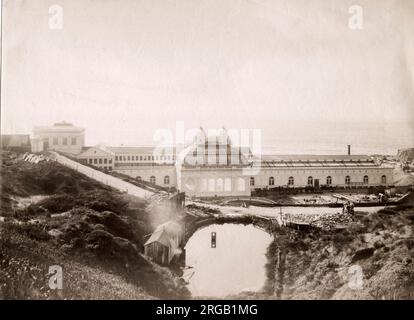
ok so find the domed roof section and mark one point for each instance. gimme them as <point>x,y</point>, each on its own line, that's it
<point>214,149</point>
<point>212,137</point>
<point>63,124</point>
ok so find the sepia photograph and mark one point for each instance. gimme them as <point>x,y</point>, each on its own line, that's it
<point>231,151</point>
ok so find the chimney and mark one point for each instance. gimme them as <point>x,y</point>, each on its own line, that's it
<point>349,149</point>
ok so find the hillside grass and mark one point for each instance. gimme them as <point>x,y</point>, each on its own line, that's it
<point>317,263</point>
<point>94,232</point>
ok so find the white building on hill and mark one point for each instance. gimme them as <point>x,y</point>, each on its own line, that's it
<point>320,171</point>
<point>98,156</point>
<point>214,166</point>
<point>62,137</point>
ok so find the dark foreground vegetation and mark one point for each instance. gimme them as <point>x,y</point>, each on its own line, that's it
<point>93,232</point>
<point>320,264</point>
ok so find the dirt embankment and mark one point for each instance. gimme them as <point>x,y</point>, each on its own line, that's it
<point>373,258</point>
<point>93,232</point>
<point>405,155</point>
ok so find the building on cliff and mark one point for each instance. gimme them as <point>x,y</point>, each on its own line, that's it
<point>62,136</point>
<point>212,165</point>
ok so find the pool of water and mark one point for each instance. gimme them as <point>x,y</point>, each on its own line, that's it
<point>235,264</point>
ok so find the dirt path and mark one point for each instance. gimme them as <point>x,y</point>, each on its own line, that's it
<point>107,179</point>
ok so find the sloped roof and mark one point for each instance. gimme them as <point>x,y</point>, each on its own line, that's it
<point>159,236</point>
<point>137,150</point>
<point>312,157</point>
<point>58,127</point>
<point>86,150</point>
<point>170,226</point>
<point>164,233</point>
<point>63,124</point>
<point>270,161</point>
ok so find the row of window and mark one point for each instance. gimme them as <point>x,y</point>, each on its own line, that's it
<point>142,164</point>
<point>65,141</point>
<point>221,184</point>
<point>100,161</point>
<point>153,180</point>
<point>145,158</point>
<point>291,180</point>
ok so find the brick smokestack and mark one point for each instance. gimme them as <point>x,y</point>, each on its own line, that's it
<point>349,149</point>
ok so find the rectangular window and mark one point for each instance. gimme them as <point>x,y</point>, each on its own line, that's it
<point>55,141</point>
<point>73,141</point>
<point>227,184</point>
<point>211,184</point>
<point>65,141</point>
<point>129,158</point>
<point>95,161</point>
<point>110,161</point>
<point>140,158</point>
<point>116,158</point>
<point>100,161</point>
<point>90,161</point>
<point>105,160</point>
<point>203,184</point>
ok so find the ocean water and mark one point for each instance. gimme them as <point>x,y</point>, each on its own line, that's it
<point>333,139</point>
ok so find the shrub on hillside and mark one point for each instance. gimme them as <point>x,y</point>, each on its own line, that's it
<point>33,231</point>
<point>105,245</point>
<point>341,238</point>
<point>99,200</point>
<point>113,223</point>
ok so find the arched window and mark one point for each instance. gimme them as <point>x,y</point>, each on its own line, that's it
<point>252,181</point>
<point>366,179</point>
<point>384,179</point>
<point>211,185</point>
<point>291,181</point>
<point>219,185</point>
<point>152,179</point>
<point>167,180</point>
<point>240,184</point>
<point>310,181</point>
<point>271,181</point>
<point>138,178</point>
<point>227,184</point>
<point>347,180</point>
<point>328,180</point>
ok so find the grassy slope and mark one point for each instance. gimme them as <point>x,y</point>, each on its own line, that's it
<point>317,263</point>
<point>97,238</point>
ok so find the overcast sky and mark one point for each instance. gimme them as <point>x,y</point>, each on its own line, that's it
<point>123,69</point>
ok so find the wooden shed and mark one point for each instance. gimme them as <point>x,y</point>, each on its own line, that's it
<point>164,242</point>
